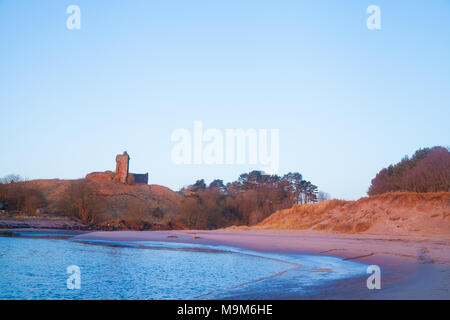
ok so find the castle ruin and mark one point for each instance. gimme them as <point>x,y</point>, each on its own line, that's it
<point>122,173</point>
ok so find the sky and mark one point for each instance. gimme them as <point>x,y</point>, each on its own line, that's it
<point>347,101</point>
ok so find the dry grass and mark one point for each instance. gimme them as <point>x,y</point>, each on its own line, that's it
<point>391,213</point>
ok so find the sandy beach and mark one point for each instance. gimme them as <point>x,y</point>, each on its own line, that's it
<point>411,267</point>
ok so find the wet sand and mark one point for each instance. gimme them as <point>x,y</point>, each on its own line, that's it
<point>411,267</point>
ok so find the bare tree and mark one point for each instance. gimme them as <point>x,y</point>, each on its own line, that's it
<point>323,196</point>
<point>138,211</point>
<point>11,178</point>
<point>81,202</point>
<point>18,196</point>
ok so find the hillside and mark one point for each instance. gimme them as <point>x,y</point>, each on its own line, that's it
<point>391,213</point>
<point>118,196</point>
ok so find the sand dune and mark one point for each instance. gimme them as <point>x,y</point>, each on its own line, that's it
<point>389,214</point>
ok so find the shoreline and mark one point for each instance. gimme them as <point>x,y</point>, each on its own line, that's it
<point>360,247</point>
<point>412,267</point>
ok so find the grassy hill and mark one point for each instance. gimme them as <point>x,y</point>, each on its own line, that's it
<point>120,199</point>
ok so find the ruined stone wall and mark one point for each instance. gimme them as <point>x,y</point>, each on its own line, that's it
<point>139,178</point>
<point>122,173</point>
<point>107,175</point>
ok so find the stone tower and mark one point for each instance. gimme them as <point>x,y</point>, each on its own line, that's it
<point>122,165</point>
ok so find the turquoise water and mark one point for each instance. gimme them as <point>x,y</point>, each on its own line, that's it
<point>36,269</point>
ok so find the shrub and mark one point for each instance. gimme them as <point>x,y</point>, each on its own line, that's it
<point>17,196</point>
<point>81,202</point>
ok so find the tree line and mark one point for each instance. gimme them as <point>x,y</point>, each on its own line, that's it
<point>428,170</point>
<point>246,201</point>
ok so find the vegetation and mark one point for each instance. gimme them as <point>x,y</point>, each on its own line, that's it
<point>247,201</point>
<point>80,202</point>
<point>83,201</point>
<point>427,171</point>
<point>16,196</point>
<point>137,211</point>
<point>104,205</point>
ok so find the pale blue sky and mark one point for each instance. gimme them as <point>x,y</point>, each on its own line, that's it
<point>348,101</point>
